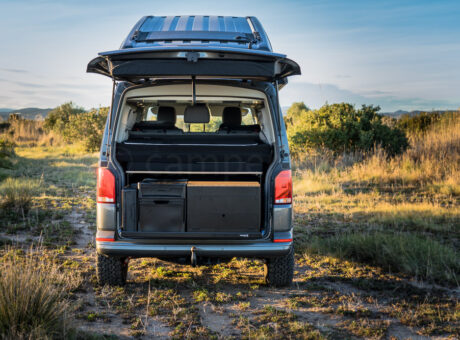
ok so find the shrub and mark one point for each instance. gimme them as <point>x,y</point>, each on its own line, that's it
<point>16,194</point>
<point>86,128</point>
<point>77,126</point>
<point>33,302</point>
<point>406,253</point>
<point>342,128</point>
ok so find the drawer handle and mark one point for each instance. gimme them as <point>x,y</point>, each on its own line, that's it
<point>161,201</point>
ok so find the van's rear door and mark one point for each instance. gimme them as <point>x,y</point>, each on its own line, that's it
<point>135,64</point>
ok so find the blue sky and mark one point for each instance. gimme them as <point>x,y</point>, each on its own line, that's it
<point>396,54</point>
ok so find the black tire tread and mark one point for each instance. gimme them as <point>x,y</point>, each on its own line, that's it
<point>111,270</point>
<point>279,271</point>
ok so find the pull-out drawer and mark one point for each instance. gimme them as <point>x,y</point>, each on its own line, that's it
<point>161,214</point>
<point>149,188</point>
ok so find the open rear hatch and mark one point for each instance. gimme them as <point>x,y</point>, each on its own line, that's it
<point>138,64</point>
<point>195,45</point>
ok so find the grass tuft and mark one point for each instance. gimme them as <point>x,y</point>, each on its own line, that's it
<point>33,291</point>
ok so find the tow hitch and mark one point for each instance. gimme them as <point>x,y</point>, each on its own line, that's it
<point>193,260</point>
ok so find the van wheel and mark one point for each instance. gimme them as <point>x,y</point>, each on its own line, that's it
<point>279,271</point>
<point>111,270</point>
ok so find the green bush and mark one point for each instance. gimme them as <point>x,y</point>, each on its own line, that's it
<point>406,253</point>
<point>419,122</point>
<point>87,128</point>
<point>342,128</point>
<point>294,113</point>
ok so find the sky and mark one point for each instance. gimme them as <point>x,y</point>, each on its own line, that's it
<point>397,54</point>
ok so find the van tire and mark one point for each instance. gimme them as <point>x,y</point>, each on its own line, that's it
<point>279,271</point>
<point>111,270</point>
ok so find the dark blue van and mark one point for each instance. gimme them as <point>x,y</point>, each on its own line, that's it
<point>194,163</point>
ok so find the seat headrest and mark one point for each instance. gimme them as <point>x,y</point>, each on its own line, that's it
<point>231,116</point>
<point>166,114</point>
<point>198,113</point>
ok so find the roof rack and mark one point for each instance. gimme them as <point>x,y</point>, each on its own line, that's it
<point>193,35</point>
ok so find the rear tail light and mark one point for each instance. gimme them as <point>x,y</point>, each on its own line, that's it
<point>102,239</point>
<point>283,187</point>
<point>105,186</point>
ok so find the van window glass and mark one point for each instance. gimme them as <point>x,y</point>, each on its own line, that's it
<point>249,117</point>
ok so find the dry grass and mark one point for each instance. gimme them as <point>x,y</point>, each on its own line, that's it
<point>434,157</point>
<point>29,132</point>
<point>33,291</point>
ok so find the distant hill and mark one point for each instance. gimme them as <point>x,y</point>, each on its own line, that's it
<point>399,113</point>
<point>29,112</point>
<point>395,114</point>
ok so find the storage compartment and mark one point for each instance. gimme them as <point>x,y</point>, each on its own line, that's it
<point>161,205</point>
<point>223,207</point>
<point>161,208</point>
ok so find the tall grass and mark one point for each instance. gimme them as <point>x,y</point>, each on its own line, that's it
<point>33,296</point>
<point>6,153</point>
<point>29,132</point>
<point>423,258</point>
<point>434,157</point>
<point>16,194</point>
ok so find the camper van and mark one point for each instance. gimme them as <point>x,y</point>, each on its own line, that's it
<point>194,164</point>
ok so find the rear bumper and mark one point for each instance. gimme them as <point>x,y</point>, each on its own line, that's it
<point>131,249</point>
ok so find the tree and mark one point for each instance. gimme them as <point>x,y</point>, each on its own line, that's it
<point>57,118</point>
